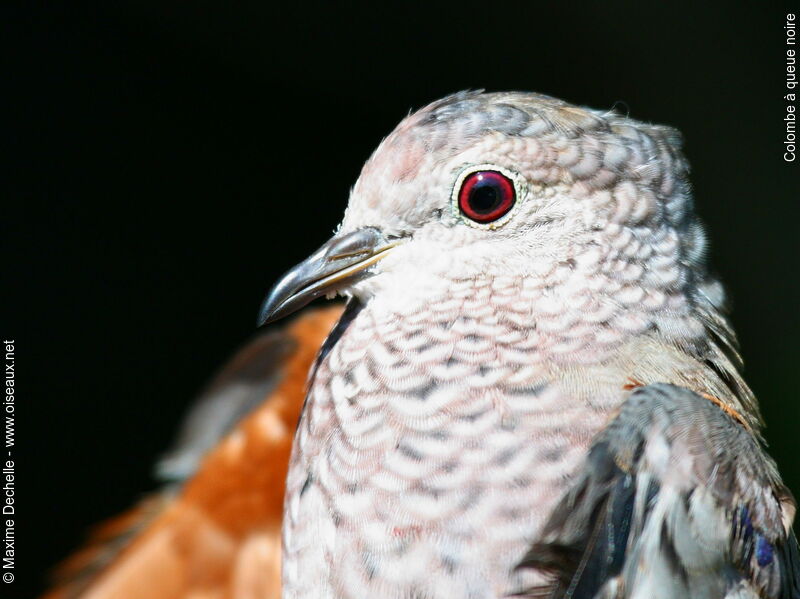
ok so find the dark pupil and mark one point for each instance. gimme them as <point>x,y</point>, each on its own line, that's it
<point>484,198</point>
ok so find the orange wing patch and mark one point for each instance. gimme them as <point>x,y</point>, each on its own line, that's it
<point>219,537</point>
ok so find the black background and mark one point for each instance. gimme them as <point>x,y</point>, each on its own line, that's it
<point>171,159</point>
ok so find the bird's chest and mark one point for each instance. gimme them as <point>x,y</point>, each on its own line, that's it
<point>425,463</point>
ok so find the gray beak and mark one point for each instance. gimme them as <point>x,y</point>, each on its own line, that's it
<point>340,262</point>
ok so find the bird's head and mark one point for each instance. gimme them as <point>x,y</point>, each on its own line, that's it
<point>584,209</point>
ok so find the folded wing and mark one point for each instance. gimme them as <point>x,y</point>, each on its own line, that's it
<point>676,499</point>
<point>214,531</point>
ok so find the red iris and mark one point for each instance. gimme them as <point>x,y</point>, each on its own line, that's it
<point>485,196</point>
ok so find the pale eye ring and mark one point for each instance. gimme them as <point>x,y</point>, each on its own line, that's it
<point>485,194</point>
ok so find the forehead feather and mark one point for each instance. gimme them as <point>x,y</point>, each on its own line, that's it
<point>573,145</point>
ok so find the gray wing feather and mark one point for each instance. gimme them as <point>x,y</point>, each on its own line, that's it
<point>675,500</point>
<point>237,389</point>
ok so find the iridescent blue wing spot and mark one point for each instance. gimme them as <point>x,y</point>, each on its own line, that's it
<point>675,499</point>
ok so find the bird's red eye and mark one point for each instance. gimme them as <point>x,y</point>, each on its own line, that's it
<point>485,196</point>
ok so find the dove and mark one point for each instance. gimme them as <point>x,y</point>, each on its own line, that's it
<point>533,390</point>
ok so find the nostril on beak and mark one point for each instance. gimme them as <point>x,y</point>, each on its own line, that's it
<point>342,261</point>
<point>362,241</point>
